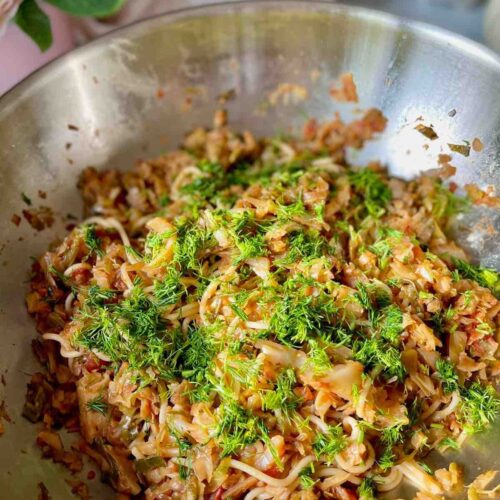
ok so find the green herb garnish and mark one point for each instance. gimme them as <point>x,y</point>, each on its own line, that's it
<point>98,405</point>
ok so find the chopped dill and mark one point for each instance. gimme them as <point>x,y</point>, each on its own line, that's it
<point>208,185</point>
<point>328,445</point>
<point>391,324</point>
<point>92,241</point>
<point>449,442</point>
<point>191,240</point>
<point>155,243</point>
<point>317,356</point>
<point>249,247</point>
<point>298,317</point>
<point>237,428</point>
<point>479,407</point>
<point>446,203</point>
<point>287,212</point>
<point>282,396</point>
<point>448,376</point>
<point>169,290</point>
<point>26,199</point>
<point>304,245</point>
<point>239,311</point>
<point>58,274</point>
<point>307,481</point>
<point>319,211</point>
<point>164,200</point>
<point>133,330</point>
<point>366,490</point>
<point>393,282</point>
<point>97,296</point>
<point>382,248</point>
<point>373,352</point>
<point>394,434</point>
<point>426,468</point>
<point>246,234</point>
<point>487,278</point>
<point>375,192</point>
<point>387,459</point>
<point>133,252</point>
<point>98,405</point>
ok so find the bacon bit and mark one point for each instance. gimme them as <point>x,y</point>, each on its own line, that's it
<point>43,493</point>
<point>480,197</point>
<point>42,194</point>
<point>477,145</point>
<point>427,131</point>
<point>39,218</point>
<point>347,92</point>
<point>91,474</point>
<point>462,149</point>
<point>15,219</point>
<point>160,93</point>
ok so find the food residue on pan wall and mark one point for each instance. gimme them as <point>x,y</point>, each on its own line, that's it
<point>39,218</point>
<point>427,130</point>
<point>347,91</point>
<point>287,93</point>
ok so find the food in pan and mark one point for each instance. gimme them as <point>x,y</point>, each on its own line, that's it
<point>248,318</point>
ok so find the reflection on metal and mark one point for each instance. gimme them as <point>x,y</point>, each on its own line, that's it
<point>110,89</point>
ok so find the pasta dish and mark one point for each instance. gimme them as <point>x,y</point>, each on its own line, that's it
<point>259,319</point>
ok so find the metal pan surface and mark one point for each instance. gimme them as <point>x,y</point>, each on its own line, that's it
<point>135,92</point>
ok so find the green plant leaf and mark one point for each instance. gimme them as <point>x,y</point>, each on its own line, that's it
<point>35,23</point>
<point>93,8</point>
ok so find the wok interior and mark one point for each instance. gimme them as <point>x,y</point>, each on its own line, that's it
<point>135,93</point>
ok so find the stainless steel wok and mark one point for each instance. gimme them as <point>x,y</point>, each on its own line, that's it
<point>134,93</point>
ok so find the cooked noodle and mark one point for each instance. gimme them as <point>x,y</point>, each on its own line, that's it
<point>258,319</point>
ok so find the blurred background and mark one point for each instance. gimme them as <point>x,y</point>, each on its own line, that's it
<point>33,32</point>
